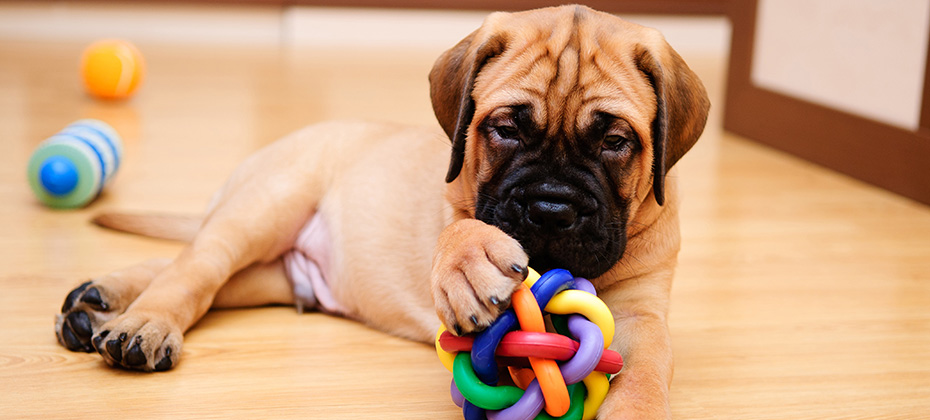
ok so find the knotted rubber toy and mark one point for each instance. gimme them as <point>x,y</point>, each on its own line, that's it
<point>568,377</point>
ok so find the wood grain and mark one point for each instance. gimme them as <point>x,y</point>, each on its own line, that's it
<point>801,294</point>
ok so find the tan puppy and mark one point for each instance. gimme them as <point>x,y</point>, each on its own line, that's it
<point>564,123</point>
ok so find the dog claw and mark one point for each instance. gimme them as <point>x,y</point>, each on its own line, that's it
<point>80,325</point>
<point>92,297</point>
<point>76,331</point>
<point>69,300</point>
<point>71,341</point>
<point>98,339</point>
<point>165,362</point>
<point>135,356</point>
<point>115,347</point>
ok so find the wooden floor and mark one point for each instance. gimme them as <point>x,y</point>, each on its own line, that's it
<point>801,294</point>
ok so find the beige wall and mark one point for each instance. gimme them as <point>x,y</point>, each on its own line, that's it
<point>866,57</point>
<point>288,25</point>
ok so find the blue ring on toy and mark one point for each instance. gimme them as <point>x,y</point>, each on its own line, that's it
<point>103,165</point>
<point>473,412</point>
<point>550,284</point>
<point>485,344</point>
<point>106,138</point>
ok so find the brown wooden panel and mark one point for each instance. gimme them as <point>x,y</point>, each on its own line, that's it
<point>886,156</point>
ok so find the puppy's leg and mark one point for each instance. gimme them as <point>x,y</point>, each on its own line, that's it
<point>256,285</point>
<point>100,300</point>
<point>641,389</point>
<point>475,270</point>
<point>256,218</point>
<point>248,228</point>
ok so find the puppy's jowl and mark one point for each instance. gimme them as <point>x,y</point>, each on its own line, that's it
<point>564,124</point>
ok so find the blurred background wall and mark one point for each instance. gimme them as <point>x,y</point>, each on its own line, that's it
<point>842,83</point>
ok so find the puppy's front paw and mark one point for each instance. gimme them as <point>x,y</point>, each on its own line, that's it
<point>475,270</point>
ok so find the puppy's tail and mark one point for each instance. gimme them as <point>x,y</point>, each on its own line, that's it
<point>162,226</point>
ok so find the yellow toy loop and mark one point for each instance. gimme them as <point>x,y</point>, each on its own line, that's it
<point>577,301</point>
<point>445,357</point>
<point>584,303</point>
<point>597,385</point>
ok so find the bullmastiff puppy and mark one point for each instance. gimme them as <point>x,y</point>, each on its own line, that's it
<point>564,124</point>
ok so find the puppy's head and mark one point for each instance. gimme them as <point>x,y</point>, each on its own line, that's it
<point>563,122</point>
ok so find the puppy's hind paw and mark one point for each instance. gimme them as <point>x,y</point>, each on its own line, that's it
<point>84,310</point>
<point>136,343</point>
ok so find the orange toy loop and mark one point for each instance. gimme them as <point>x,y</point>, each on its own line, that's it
<point>547,371</point>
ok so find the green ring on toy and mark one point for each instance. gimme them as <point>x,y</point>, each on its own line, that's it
<point>84,160</point>
<point>484,396</point>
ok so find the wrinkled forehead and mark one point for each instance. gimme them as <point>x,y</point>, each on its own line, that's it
<point>567,75</point>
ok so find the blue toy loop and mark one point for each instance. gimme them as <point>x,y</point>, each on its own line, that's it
<point>485,346</point>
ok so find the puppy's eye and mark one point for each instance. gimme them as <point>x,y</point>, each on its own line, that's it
<point>507,131</point>
<point>615,143</point>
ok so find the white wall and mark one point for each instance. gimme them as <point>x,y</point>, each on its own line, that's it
<point>866,57</point>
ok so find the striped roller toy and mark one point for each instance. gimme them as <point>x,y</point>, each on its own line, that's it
<point>70,169</point>
<point>561,374</point>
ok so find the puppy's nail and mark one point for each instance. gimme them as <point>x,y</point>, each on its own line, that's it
<point>495,301</point>
<point>92,297</point>
<point>457,328</point>
<point>115,349</point>
<point>165,362</point>
<point>98,339</point>
<point>135,356</point>
<point>69,339</point>
<point>474,320</point>
<point>504,304</point>
<point>523,271</point>
<point>69,301</point>
<point>80,324</point>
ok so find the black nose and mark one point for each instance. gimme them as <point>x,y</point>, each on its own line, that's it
<point>551,207</point>
<point>551,215</point>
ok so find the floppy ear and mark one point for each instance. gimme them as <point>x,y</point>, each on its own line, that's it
<point>681,108</point>
<point>451,81</point>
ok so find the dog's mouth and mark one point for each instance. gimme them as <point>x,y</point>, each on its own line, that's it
<point>559,225</point>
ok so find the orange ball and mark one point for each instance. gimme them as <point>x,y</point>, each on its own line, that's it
<point>112,69</point>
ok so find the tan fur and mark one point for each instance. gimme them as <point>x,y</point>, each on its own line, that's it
<point>162,226</point>
<point>380,190</point>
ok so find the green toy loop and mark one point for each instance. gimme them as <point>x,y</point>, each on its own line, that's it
<point>484,396</point>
